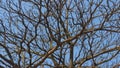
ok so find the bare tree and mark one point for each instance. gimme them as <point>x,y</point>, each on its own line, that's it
<point>59,33</point>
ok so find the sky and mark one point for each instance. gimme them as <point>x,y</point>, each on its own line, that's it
<point>28,6</point>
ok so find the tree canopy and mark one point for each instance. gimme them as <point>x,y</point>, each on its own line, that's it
<point>59,33</point>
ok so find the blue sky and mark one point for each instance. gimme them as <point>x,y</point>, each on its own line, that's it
<point>27,7</point>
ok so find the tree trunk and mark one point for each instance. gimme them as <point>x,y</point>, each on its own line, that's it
<point>71,57</point>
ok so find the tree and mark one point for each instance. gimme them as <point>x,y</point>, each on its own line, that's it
<point>59,33</point>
